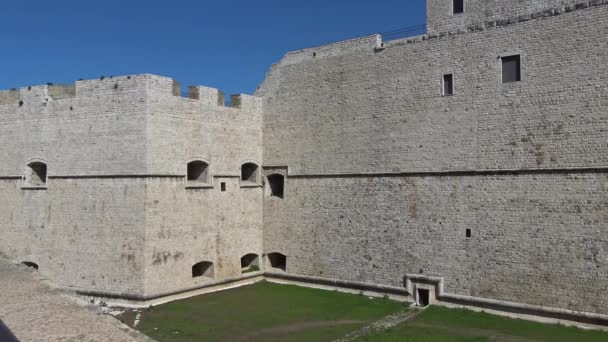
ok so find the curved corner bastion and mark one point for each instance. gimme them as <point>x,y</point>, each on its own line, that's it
<point>465,166</point>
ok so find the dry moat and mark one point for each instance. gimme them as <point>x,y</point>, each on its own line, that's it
<point>274,312</point>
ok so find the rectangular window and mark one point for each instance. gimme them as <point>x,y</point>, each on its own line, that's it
<point>511,69</point>
<point>448,85</point>
<point>458,6</point>
<point>223,186</point>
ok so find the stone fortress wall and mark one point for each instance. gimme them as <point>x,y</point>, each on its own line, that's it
<point>387,177</point>
<point>186,226</point>
<point>86,228</point>
<point>117,216</point>
<point>500,189</point>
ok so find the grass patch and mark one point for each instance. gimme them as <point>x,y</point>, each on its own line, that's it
<point>443,324</point>
<point>272,312</point>
<point>264,312</point>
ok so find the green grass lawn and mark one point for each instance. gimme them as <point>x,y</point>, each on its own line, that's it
<point>272,312</point>
<point>264,312</point>
<point>443,324</point>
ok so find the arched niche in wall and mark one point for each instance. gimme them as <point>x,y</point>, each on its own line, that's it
<point>250,263</point>
<point>198,174</point>
<point>203,269</point>
<point>35,174</point>
<point>276,185</point>
<point>250,173</point>
<point>277,261</point>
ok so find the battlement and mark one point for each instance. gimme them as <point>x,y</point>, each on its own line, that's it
<point>132,84</point>
<point>215,97</point>
<point>54,92</point>
<point>81,88</point>
<point>163,86</point>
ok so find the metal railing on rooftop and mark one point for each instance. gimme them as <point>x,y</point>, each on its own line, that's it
<point>405,32</point>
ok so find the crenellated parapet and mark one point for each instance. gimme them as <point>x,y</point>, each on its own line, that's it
<point>82,89</point>
<point>43,93</point>
<point>206,95</point>
<point>9,96</point>
<point>204,126</point>
<point>164,87</point>
<point>134,85</point>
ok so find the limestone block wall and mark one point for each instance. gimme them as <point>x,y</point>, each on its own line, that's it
<point>116,207</point>
<point>95,127</point>
<point>180,129</point>
<point>535,238</point>
<point>85,228</point>
<point>381,110</point>
<point>188,226</point>
<point>84,233</point>
<point>441,17</point>
<point>116,214</point>
<point>185,226</point>
<point>386,174</point>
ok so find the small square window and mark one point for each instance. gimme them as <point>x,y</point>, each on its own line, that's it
<point>223,186</point>
<point>448,85</point>
<point>468,233</point>
<point>511,69</point>
<point>458,6</point>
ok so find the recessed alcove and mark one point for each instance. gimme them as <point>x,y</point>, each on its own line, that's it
<point>250,263</point>
<point>249,174</point>
<point>35,175</point>
<point>277,261</point>
<point>276,184</point>
<point>203,269</point>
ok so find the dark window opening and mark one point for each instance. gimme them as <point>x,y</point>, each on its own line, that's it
<point>511,69</point>
<point>458,6</point>
<point>278,261</point>
<point>448,85</point>
<point>249,173</point>
<point>223,186</point>
<point>198,171</point>
<point>250,263</point>
<point>202,269</point>
<point>30,264</point>
<point>276,183</point>
<point>468,233</point>
<point>36,174</point>
<point>423,297</point>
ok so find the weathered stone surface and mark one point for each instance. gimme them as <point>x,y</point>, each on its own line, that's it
<point>351,110</point>
<point>116,216</point>
<point>384,175</point>
<point>33,311</point>
<point>440,15</point>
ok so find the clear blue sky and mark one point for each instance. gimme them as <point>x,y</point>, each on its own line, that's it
<point>224,44</point>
